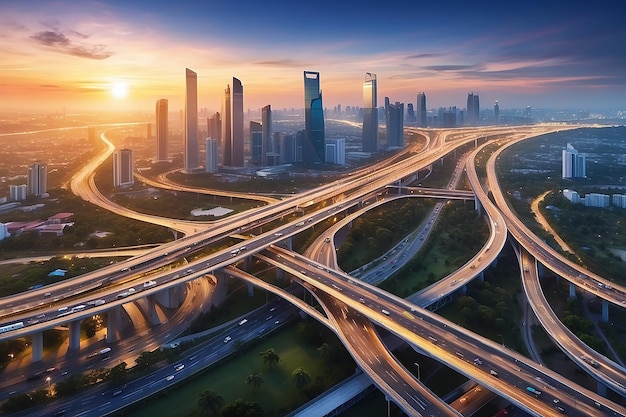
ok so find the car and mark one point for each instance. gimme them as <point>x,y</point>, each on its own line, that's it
<point>62,309</point>
<point>556,401</point>
<point>170,377</point>
<point>278,234</point>
<point>242,322</point>
<point>130,290</point>
<point>227,339</point>
<point>477,361</point>
<point>327,240</point>
<point>118,392</point>
<point>277,322</point>
<point>268,317</point>
<point>493,373</point>
<point>47,294</point>
<point>179,367</point>
<point>64,373</point>
<point>273,308</point>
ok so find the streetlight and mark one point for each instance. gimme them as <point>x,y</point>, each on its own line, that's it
<point>48,381</point>
<point>418,370</point>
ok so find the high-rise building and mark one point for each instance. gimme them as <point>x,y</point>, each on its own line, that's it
<point>288,149</point>
<point>161,129</point>
<point>473,109</point>
<point>394,120</point>
<point>313,151</point>
<point>37,179</point>
<point>336,151</point>
<point>123,168</point>
<point>370,114</point>
<point>190,148</point>
<point>211,155</point>
<point>410,113</point>
<point>573,164</point>
<point>232,125</point>
<point>214,126</point>
<point>448,117</point>
<point>496,113</point>
<point>256,143</point>
<point>17,192</point>
<point>421,110</point>
<point>266,122</point>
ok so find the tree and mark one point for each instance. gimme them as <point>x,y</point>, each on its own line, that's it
<point>241,408</point>
<point>118,374</point>
<point>301,377</point>
<point>255,378</point>
<point>270,356</point>
<point>210,403</point>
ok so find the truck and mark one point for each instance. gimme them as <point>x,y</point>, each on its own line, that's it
<point>533,391</point>
<point>104,351</point>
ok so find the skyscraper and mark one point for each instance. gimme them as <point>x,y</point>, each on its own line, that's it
<point>266,122</point>
<point>370,114</point>
<point>314,143</point>
<point>256,143</point>
<point>410,113</point>
<point>211,155</point>
<point>190,148</point>
<point>573,164</point>
<point>214,126</point>
<point>37,179</point>
<point>394,120</point>
<point>421,110</point>
<point>123,168</point>
<point>161,129</point>
<point>232,125</point>
<point>473,109</point>
<point>496,113</point>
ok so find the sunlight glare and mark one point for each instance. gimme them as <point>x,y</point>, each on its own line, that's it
<point>119,89</point>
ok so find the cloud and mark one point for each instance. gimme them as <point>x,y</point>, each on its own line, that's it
<point>453,68</point>
<point>279,63</point>
<point>60,43</point>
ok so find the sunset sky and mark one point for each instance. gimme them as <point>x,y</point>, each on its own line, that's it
<point>124,55</point>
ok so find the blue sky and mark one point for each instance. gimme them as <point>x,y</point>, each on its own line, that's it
<point>542,54</point>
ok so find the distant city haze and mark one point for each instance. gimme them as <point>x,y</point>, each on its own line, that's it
<point>123,56</point>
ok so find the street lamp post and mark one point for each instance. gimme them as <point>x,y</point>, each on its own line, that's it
<point>48,381</point>
<point>418,370</point>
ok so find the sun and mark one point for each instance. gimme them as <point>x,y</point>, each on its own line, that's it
<point>119,89</point>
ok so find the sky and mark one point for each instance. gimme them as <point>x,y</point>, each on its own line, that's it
<point>112,55</point>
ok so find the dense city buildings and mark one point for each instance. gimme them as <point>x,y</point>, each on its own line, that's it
<point>267,140</point>
<point>314,144</point>
<point>394,120</point>
<point>161,129</point>
<point>211,155</point>
<point>190,147</point>
<point>37,179</point>
<point>123,168</point>
<point>421,112</point>
<point>473,109</point>
<point>573,164</point>
<point>370,114</point>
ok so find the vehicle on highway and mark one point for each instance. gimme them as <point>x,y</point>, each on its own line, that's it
<point>327,240</point>
<point>477,361</point>
<point>131,291</point>
<point>299,224</point>
<point>179,367</point>
<point>170,377</point>
<point>122,295</point>
<point>149,284</point>
<point>242,322</point>
<point>493,373</point>
<point>12,326</point>
<point>385,312</point>
<point>533,390</point>
<point>227,339</point>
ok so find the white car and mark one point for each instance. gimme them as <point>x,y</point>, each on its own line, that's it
<point>227,339</point>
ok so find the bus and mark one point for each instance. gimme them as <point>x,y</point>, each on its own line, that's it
<point>12,326</point>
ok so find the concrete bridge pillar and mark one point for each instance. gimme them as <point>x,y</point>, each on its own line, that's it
<point>114,318</point>
<point>153,317</point>
<point>572,290</point>
<point>247,263</point>
<point>602,389</point>
<point>250,289</point>
<point>481,276</point>
<point>37,346</point>
<point>170,297</point>
<point>74,327</point>
<point>605,311</point>
<point>541,270</point>
<point>478,207</point>
<point>400,186</point>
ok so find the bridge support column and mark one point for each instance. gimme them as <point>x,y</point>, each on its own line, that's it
<point>602,389</point>
<point>478,206</point>
<point>572,290</point>
<point>247,263</point>
<point>481,276</point>
<point>250,290</point>
<point>74,327</point>
<point>171,297</point>
<point>114,319</point>
<point>37,347</point>
<point>464,287</point>
<point>605,311</point>
<point>541,271</point>
<point>399,186</point>
<point>153,317</point>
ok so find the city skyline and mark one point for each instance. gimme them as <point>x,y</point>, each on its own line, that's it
<point>113,56</point>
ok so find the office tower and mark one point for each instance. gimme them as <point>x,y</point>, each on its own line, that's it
<point>473,109</point>
<point>528,111</point>
<point>449,117</point>
<point>496,113</point>
<point>123,168</point>
<point>256,142</point>
<point>421,110</point>
<point>336,151</point>
<point>370,114</point>
<point>190,148</point>
<point>232,125</point>
<point>266,122</point>
<point>288,149</point>
<point>37,179</point>
<point>18,192</point>
<point>214,126</point>
<point>410,113</point>
<point>161,129</point>
<point>573,164</point>
<point>211,155</point>
<point>313,151</point>
<point>394,120</point>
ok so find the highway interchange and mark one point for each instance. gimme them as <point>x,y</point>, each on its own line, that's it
<point>514,372</point>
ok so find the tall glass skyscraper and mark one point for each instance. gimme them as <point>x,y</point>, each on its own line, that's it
<point>37,179</point>
<point>573,164</point>
<point>266,123</point>
<point>232,125</point>
<point>161,129</point>
<point>314,145</point>
<point>394,118</point>
<point>370,114</point>
<point>123,168</point>
<point>473,109</point>
<point>496,113</point>
<point>421,110</point>
<point>190,148</point>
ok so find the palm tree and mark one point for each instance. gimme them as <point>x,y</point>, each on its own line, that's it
<point>270,356</point>
<point>210,403</point>
<point>301,377</point>
<point>255,378</point>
